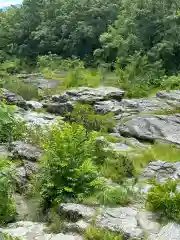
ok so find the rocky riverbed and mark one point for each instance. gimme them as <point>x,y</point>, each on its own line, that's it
<point>139,122</point>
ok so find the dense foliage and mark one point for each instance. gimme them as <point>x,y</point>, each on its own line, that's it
<point>68,171</point>
<point>135,38</point>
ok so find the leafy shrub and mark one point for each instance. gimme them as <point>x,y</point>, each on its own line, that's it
<point>165,199</point>
<point>139,77</point>
<point>85,115</point>
<point>10,127</point>
<point>111,196</point>
<point>7,205</point>
<point>117,167</point>
<point>67,171</point>
<point>170,83</point>
<point>101,234</point>
<point>11,66</point>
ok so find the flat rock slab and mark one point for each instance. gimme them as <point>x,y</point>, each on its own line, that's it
<point>26,151</point>
<point>161,170</point>
<point>122,220</point>
<point>91,95</point>
<point>131,106</point>
<point>37,119</point>
<point>27,230</point>
<point>151,128</point>
<point>169,232</point>
<point>169,95</point>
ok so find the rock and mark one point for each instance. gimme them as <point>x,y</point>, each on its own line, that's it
<point>109,106</point>
<point>26,151</point>
<point>20,178</point>
<point>34,104</point>
<point>169,95</point>
<point>76,211</point>
<point>144,105</point>
<point>150,128</point>
<point>30,168</point>
<point>41,82</point>
<point>59,108</point>
<point>120,147</point>
<point>171,231</point>
<point>135,143</point>
<point>21,207</point>
<point>90,95</point>
<point>4,152</point>
<point>148,222</point>
<point>37,119</point>
<point>12,98</point>
<point>78,226</point>
<point>122,220</point>
<point>132,106</point>
<point>161,170</point>
<point>27,230</point>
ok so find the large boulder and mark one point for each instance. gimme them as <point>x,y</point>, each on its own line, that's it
<point>122,220</point>
<point>91,95</point>
<point>151,128</point>
<point>169,95</point>
<point>22,150</point>
<point>132,106</point>
<point>59,108</point>
<point>171,231</point>
<point>161,170</point>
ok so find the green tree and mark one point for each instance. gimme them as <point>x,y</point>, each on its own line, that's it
<point>148,27</point>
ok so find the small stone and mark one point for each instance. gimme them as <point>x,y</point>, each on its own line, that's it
<point>76,211</point>
<point>27,151</point>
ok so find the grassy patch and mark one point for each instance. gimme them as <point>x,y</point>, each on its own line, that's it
<point>111,196</point>
<point>101,234</point>
<point>158,151</point>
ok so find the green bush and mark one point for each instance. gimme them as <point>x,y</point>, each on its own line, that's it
<point>117,167</point>
<point>85,115</point>
<point>11,66</point>
<point>138,78</point>
<point>165,199</point>
<point>67,170</point>
<point>113,196</point>
<point>10,126</point>
<point>101,234</point>
<point>7,205</point>
<point>170,83</point>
